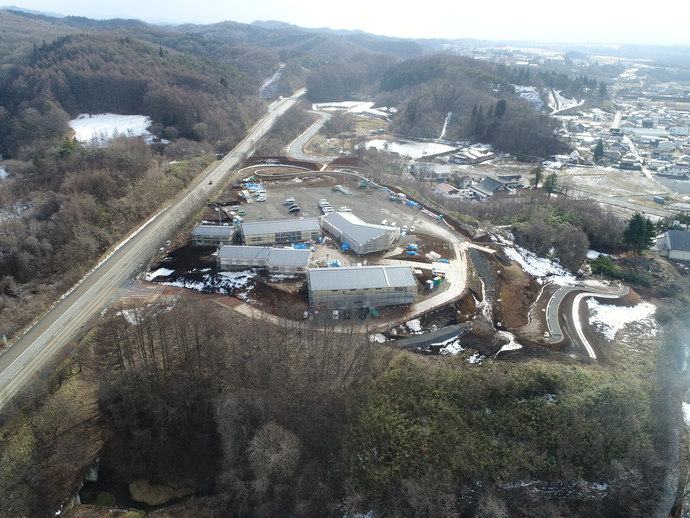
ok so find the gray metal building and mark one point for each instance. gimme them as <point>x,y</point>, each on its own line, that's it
<point>280,232</point>
<point>212,235</point>
<point>361,287</point>
<point>273,260</point>
<point>362,238</point>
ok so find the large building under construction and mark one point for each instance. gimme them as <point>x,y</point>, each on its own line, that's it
<point>280,232</point>
<point>361,287</point>
<point>362,238</point>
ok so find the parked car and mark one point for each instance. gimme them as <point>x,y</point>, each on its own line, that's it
<point>242,213</point>
<point>261,198</point>
<point>403,228</point>
<point>384,222</point>
<point>412,229</point>
<point>289,201</point>
<point>293,210</point>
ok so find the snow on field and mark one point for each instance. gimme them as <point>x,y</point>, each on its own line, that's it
<point>538,266</point>
<point>357,107</point>
<point>637,320</point>
<point>102,127</point>
<point>530,94</point>
<point>409,148</point>
<point>557,102</point>
<point>222,282</point>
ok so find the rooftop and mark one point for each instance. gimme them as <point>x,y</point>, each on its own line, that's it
<point>679,240</point>
<point>360,277</point>
<point>355,228</point>
<point>272,256</point>
<point>213,230</point>
<point>283,225</point>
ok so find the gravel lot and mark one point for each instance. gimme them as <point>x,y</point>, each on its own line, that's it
<point>369,204</point>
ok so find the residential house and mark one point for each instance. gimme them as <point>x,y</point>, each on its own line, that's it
<point>489,187</point>
<point>675,244</point>
<point>677,169</point>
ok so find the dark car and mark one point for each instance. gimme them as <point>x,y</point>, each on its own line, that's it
<point>294,209</point>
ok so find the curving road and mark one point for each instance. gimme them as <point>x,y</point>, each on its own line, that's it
<point>54,330</point>
<point>553,312</point>
<point>296,148</point>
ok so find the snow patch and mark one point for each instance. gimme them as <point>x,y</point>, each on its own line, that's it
<point>512,345</point>
<point>611,319</point>
<point>161,272</point>
<point>452,347</point>
<point>415,326</point>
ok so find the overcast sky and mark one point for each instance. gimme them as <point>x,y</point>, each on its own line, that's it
<point>578,21</point>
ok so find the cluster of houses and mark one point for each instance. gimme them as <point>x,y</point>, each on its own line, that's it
<point>658,138</point>
<point>285,247</point>
<point>467,188</point>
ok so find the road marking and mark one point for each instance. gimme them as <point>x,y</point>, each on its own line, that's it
<point>18,371</point>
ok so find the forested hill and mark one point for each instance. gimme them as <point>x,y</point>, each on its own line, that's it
<point>186,97</point>
<point>474,100</point>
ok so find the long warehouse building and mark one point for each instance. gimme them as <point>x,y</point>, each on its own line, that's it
<point>361,287</point>
<point>280,232</point>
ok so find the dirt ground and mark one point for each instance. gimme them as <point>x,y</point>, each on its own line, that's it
<point>506,298</point>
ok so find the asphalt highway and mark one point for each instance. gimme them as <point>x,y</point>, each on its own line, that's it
<point>65,320</point>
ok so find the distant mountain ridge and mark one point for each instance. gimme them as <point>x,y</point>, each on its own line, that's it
<point>30,11</point>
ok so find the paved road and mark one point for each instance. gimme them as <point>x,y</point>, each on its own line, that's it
<point>553,312</point>
<point>296,148</point>
<point>55,329</point>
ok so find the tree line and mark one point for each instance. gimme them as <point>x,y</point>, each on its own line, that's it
<point>309,421</point>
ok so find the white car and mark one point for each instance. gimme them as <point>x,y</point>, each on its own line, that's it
<point>261,198</point>
<point>404,228</point>
<point>384,222</point>
<point>394,224</point>
<point>412,229</point>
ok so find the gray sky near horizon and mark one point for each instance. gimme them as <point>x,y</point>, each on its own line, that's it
<point>584,21</point>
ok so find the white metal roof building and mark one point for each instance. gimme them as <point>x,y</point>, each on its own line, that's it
<point>212,235</point>
<point>361,286</point>
<point>280,231</point>
<point>362,238</point>
<point>274,260</point>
